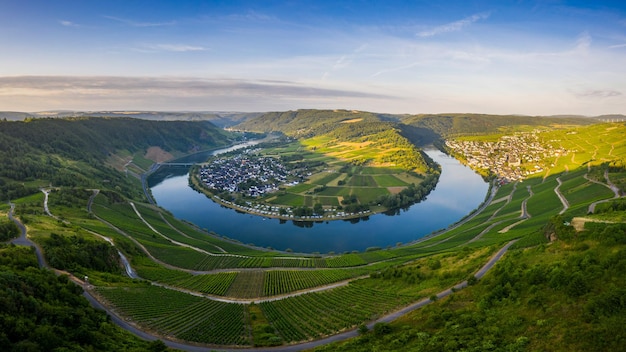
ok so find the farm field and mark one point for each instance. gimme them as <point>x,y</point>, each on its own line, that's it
<point>344,179</point>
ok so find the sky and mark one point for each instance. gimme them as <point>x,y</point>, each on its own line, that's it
<point>498,57</point>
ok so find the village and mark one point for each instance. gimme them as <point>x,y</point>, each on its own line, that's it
<point>248,174</point>
<point>511,158</point>
<point>256,176</point>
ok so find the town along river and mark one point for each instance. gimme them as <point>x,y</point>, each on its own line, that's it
<point>458,192</point>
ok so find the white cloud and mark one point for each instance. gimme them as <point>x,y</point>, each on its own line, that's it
<point>134,23</point>
<point>583,43</point>
<point>598,93</point>
<point>68,23</point>
<point>175,47</point>
<point>454,26</point>
<point>252,16</point>
<point>117,92</point>
<point>617,46</point>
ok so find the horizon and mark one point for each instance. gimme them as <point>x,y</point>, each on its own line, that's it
<point>55,113</point>
<point>403,57</point>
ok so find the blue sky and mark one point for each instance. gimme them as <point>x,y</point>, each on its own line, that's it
<point>501,57</point>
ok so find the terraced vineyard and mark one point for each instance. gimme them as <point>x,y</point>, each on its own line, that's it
<point>319,314</point>
<point>198,287</point>
<point>278,282</point>
<point>172,313</point>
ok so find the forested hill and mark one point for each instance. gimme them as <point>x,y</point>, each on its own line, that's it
<point>219,118</point>
<point>87,138</point>
<point>369,131</point>
<point>305,123</point>
<point>73,151</point>
<point>420,129</point>
<point>466,124</point>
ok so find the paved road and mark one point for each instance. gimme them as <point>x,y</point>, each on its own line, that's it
<point>353,333</point>
<point>23,240</point>
<point>609,184</point>
<point>561,197</point>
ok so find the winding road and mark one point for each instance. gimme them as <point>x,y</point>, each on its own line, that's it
<point>23,240</point>
<point>609,184</point>
<point>561,196</point>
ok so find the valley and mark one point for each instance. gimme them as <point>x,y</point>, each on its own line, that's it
<point>188,279</point>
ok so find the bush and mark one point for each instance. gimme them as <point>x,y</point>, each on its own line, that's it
<point>381,329</point>
<point>8,230</point>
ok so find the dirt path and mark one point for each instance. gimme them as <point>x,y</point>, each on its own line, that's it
<point>579,222</point>
<point>387,318</point>
<point>523,216</point>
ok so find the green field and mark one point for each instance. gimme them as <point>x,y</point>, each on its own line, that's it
<point>389,181</point>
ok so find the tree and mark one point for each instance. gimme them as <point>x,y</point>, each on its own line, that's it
<point>381,329</point>
<point>157,346</point>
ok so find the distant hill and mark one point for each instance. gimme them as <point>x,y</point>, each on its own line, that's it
<point>74,151</point>
<point>420,129</point>
<point>304,123</point>
<point>220,119</point>
<point>14,115</point>
<point>338,127</point>
<point>611,118</point>
<point>463,124</point>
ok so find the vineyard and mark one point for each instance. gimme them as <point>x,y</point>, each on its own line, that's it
<point>278,282</point>
<point>195,286</point>
<point>198,252</point>
<point>315,315</point>
<point>172,313</point>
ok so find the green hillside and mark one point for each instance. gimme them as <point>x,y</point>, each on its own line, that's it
<point>326,129</point>
<point>82,152</point>
<point>563,289</point>
<point>446,125</point>
<point>45,312</point>
<point>559,287</point>
<point>305,123</point>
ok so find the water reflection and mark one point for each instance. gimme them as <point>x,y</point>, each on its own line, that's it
<point>458,192</point>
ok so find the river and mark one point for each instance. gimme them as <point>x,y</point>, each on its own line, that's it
<point>459,191</point>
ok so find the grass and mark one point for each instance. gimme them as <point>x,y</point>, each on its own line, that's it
<point>367,195</point>
<point>362,181</point>
<point>388,181</point>
<point>289,199</point>
<point>300,188</point>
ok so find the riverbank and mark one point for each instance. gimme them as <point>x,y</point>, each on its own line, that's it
<point>342,194</point>
<point>459,191</point>
<point>195,184</point>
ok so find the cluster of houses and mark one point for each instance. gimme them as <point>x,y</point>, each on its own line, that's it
<point>273,211</point>
<point>253,176</point>
<point>512,157</point>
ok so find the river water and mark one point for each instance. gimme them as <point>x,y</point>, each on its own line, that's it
<point>459,191</point>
